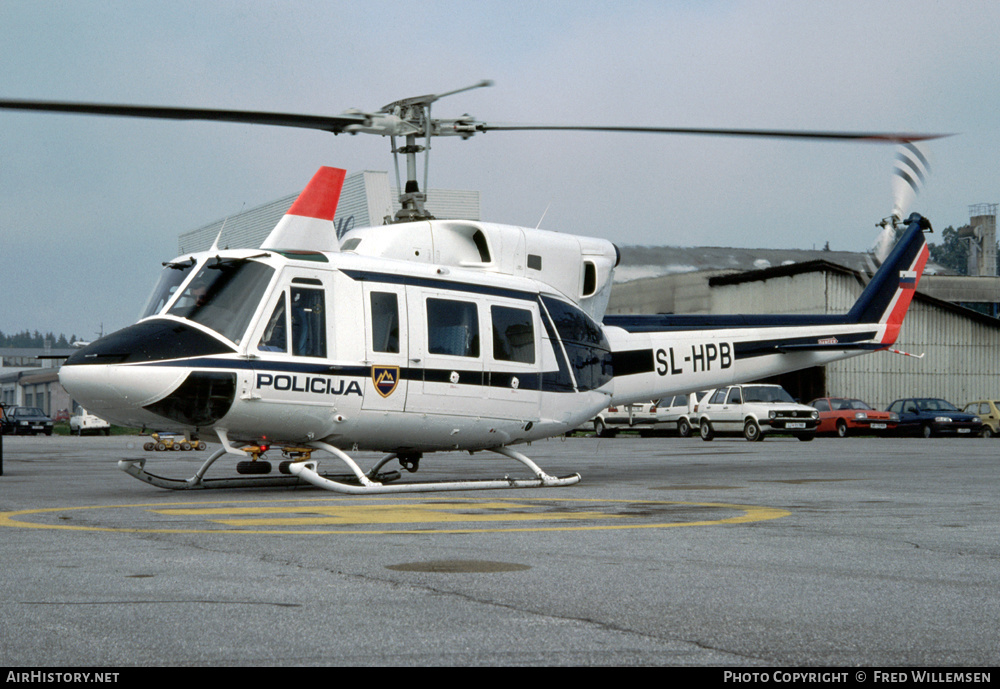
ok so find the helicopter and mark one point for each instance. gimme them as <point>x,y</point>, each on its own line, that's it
<point>426,335</point>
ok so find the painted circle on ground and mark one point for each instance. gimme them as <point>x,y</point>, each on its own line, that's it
<point>458,567</point>
<point>321,516</point>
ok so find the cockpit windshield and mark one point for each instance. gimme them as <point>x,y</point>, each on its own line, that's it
<point>224,295</point>
<point>173,275</point>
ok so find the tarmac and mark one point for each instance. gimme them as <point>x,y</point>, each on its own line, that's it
<point>670,552</point>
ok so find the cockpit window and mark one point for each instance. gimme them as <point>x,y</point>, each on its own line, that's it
<point>170,279</point>
<point>308,322</point>
<point>274,338</point>
<point>224,295</point>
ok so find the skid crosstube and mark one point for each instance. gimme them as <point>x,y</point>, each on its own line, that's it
<point>305,472</point>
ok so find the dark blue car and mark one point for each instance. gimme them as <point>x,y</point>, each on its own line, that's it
<point>928,416</point>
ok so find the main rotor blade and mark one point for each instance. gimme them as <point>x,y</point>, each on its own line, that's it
<point>881,137</point>
<point>335,123</point>
<point>350,121</point>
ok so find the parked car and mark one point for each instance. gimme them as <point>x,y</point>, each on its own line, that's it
<point>679,409</point>
<point>85,422</point>
<point>755,410</point>
<point>26,421</point>
<point>988,412</point>
<point>929,416</point>
<point>845,416</point>
<point>641,415</point>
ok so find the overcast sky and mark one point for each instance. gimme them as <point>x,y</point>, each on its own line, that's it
<point>91,206</point>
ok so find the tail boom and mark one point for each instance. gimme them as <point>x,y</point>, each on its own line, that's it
<point>656,356</point>
<point>887,298</point>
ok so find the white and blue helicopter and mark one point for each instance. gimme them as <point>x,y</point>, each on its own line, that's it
<point>428,335</point>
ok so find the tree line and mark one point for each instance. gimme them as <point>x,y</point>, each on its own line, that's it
<point>35,339</point>
<point>953,252</point>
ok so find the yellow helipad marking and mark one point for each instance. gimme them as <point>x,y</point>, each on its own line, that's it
<point>357,516</point>
<point>379,514</point>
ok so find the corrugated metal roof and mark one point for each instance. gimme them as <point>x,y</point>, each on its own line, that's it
<point>653,261</point>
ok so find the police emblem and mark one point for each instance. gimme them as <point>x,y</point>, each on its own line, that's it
<point>385,378</point>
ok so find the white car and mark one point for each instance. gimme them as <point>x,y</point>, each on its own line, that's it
<point>85,422</point>
<point>641,416</point>
<point>680,410</point>
<point>755,410</point>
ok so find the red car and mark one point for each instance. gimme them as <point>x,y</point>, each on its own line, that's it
<point>844,416</point>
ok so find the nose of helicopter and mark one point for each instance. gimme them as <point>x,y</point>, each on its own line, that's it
<point>118,392</point>
<point>119,375</point>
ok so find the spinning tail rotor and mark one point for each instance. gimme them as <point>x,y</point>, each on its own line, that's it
<point>908,179</point>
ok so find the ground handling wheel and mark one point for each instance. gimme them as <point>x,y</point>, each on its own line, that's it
<point>261,466</point>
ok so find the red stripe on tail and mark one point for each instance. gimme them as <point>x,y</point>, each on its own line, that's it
<point>895,318</point>
<point>319,198</point>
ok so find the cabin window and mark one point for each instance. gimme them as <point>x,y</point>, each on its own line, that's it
<point>452,327</point>
<point>275,337</point>
<point>385,322</point>
<point>513,335</point>
<point>308,322</point>
<point>534,261</point>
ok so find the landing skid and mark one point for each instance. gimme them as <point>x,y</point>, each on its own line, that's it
<point>366,485</point>
<point>356,483</point>
<point>137,469</point>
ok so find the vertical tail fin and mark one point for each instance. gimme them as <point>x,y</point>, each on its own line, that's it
<point>308,224</point>
<point>887,297</point>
